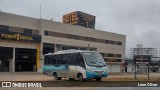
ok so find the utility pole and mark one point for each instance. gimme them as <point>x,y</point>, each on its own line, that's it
<point>40,12</point>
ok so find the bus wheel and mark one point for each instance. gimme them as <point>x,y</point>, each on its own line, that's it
<point>71,78</point>
<point>80,76</point>
<point>98,79</point>
<point>55,77</point>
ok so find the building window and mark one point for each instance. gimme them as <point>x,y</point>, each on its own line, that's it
<point>27,31</point>
<point>100,40</point>
<point>46,33</point>
<point>117,60</point>
<point>107,41</point>
<point>81,38</point>
<point>93,49</point>
<point>65,48</point>
<point>15,29</point>
<point>112,42</point>
<point>110,55</point>
<point>105,59</point>
<point>76,37</point>
<point>4,28</point>
<point>90,39</point>
<point>69,47</point>
<point>105,55</point>
<point>112,60</point>
<point>83,48</point>
<point>73,36</point>
<point>48,48</point>
<point>108,60</point>
<point>119,43</point>
<point>36,32</point>
<point>119,55</point>
<point>102,54</point>
<point>76,48</point>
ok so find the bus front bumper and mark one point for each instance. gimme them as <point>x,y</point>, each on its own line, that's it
<point>92,75</point>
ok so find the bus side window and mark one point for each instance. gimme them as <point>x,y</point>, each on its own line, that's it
<point>53,60</point>
<point>45,60</point>
<point>73,59</point>
<point>64,59</point>
<point>50,59</point>
<point>58,59</point>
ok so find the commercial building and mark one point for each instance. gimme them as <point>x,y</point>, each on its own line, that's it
<point>24,41</point>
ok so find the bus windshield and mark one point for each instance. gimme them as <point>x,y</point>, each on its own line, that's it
<point>94,59</point>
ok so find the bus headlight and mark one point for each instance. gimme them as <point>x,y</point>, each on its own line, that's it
<point>89,70</point>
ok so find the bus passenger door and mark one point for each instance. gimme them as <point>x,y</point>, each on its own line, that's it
<point>80,64</point>
<point>72,65</point>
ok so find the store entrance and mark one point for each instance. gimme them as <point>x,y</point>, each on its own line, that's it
<point>25,60</point>
<point>4,66</point>
<point>25,66</point>
<point>6,55</point>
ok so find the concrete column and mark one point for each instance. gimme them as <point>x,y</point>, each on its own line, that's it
<point>41,32</point>
<point>55,47</point>
<point>12,62</point>
<point>41,57</point>
<point>38,56</point>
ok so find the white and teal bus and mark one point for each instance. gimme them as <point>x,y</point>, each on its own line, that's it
<point>75,64</point>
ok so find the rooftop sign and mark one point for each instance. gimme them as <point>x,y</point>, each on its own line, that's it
<point>80,18</point>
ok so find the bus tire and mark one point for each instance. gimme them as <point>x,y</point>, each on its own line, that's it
<point>71,78</point>
<point>56,77</point>
<point>98,79</point>
<point>80,76</point>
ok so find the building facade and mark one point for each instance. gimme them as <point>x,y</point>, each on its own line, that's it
<point>25,40</point>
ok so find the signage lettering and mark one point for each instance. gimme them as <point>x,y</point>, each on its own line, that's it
<point>19,36</point>
<point>142,59</point>
<point>16,36</point>
<point>87,18</point>
<point>69,18</point>
<point>80,18</point>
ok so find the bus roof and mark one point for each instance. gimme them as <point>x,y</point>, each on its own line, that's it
<point>68,51</point>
